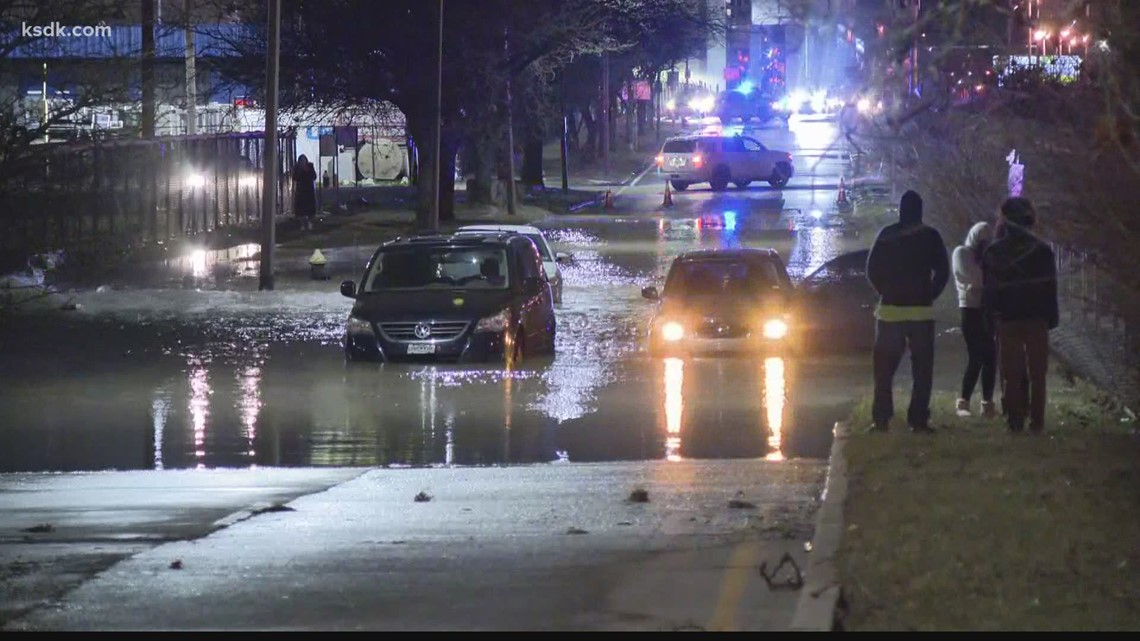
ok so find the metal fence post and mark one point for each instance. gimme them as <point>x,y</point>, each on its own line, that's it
<point>1095,297</point>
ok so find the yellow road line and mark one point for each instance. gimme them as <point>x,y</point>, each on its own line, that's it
<point>743,562</point>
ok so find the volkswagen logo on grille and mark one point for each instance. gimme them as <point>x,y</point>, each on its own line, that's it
<point>423,330</point>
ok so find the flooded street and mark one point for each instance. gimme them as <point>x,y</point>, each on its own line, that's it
<point>206,376</point>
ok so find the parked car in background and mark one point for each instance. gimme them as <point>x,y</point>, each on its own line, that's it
<point>836,306</point>
<point>461,297</point>
<point>551,260</point>
<point>720,159</point>
<point>733,105</point>
<point>735,301</point>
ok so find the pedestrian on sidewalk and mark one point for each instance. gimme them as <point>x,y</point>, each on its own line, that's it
<point>304,192</point>
<point>977,329</point>
<point>1020,274</point>
<point>909,268</point>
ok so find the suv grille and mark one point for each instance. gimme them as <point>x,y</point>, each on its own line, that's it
<point>439,330</point>
<point>716,328</point>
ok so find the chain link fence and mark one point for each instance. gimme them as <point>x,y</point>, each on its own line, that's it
<point>76,196</point>
<point>1098,334</point>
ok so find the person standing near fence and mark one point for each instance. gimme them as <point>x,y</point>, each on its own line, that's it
<point>909,268</point>
<point>1020,275</point>
<point>976,327</point>
<point>304,192</point>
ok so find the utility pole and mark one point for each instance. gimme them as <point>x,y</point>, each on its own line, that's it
<point>914,50</point>
<point>147,124</point>
<point>269,157</point>
<point>511,205</point>
<point>436,174</point>
<point>191,76</point>
<point>631,114</point>
<point>606,112</point>
<point>563,147</point>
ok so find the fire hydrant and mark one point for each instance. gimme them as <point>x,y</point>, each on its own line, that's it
<point>317,264</point>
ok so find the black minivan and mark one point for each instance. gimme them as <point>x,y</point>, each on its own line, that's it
<point>461,298</point>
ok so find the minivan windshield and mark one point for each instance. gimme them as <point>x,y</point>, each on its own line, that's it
<point>438,267</point>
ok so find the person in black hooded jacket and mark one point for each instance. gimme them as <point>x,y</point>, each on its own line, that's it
<point>1019,273</point>
<point>909,267</point>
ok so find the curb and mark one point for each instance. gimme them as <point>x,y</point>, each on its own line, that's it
<point>821,594</point>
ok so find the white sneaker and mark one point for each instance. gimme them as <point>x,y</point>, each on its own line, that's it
<point>963,408</point>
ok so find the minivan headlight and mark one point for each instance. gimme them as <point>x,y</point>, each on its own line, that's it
<point>497,323</point>
<point>359,326</point>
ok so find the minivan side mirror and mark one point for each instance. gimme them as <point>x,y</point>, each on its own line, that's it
<point>348,289</point>
<point>562,258</point>
<point>650,293</point>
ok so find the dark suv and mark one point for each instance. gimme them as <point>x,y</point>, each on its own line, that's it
<point>468,297</point>
<point>723,301</point>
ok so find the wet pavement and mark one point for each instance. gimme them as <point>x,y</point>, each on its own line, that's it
<point>208,373</point>
<point>189,370</point>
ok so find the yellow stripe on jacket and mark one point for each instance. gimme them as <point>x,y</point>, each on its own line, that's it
<point>904,313</point>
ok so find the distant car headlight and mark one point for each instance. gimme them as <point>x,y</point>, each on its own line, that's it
<point>358,326</point>
<point>775,329</point>
<point>497,323</point>
<point>671,104</point>
<point>672,331</point>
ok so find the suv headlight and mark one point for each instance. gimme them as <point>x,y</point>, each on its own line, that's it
<point>359,326</point>
<point>775,329</point>
<point>672,331</point>
<point>497,323</point>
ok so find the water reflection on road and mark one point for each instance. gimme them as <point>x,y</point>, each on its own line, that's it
<point>166,379</point>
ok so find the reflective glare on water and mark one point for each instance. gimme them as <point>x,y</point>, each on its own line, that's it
<point>180,378</point>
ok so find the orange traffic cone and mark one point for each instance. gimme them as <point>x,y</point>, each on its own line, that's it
<point>609,199</point>
<point>668,202</point>
<point>842,199</point>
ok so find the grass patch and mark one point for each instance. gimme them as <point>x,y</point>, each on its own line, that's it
<point>976,528</point>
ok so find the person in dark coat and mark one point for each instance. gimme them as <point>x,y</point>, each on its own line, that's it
<point>909,267</point>
<point>1020,276</point>
<point>304,192</point>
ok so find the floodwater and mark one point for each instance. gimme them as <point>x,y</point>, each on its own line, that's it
<point>206,375</point>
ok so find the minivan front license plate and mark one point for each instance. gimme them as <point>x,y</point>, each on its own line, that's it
<point>421,348</point>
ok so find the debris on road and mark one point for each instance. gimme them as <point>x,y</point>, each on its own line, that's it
<point>738,504</point>
<point>639,495</point>
<point>41,528</point>
<point>423,497</point>
<point>575,530</point>
<point>277,507</point>
<point>793,582</point>
<point>176,564</point>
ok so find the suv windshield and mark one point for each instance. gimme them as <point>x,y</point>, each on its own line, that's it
<point>722,278</point>
<point>439,267</point>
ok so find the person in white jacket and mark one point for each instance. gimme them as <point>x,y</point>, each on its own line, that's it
<point>978,332</point>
